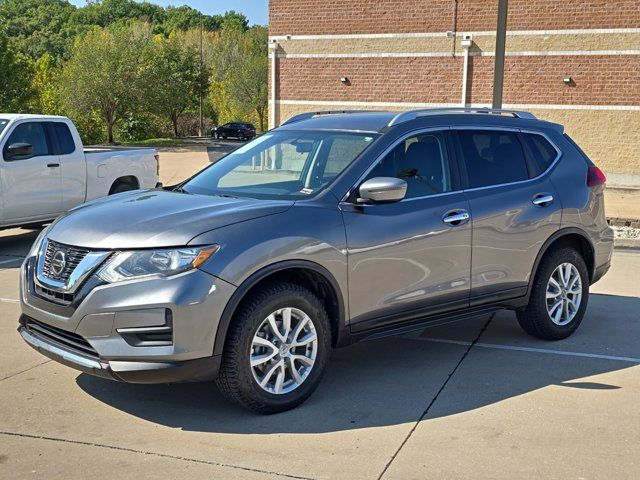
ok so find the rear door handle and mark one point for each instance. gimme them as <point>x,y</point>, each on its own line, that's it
<point>456,217</point>
<point>53,165</point>
<point>542,200</point>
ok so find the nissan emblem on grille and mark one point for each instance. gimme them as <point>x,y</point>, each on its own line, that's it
<point>58,263</point>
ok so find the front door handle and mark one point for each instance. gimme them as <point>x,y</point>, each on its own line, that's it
<point>456,217</point>
<point>53,165</point>
<point>542,200</point>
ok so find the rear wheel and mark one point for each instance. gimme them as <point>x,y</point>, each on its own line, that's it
<point>559,296</point>
<point>276,350</point>
<point>121,187</point>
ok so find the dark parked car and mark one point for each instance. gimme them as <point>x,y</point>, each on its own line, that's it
<point>329,229</point>
<point>241,130</point>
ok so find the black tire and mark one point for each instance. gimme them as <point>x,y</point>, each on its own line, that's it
<point>236,380</point>
<point>121,187</point>
<point>534,319</point>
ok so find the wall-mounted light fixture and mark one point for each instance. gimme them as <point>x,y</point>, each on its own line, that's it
<point>345,81</point>
<point>567,80</point>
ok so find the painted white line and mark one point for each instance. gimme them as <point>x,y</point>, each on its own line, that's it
<point>17,259</point>
<point>9,300</point>
<point>534,350</point>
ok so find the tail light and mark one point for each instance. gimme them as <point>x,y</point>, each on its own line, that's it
<point>595,176</point>
<point>157,157</point>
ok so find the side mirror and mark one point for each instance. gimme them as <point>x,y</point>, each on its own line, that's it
<point>382,190</point>
<point>19,150</point>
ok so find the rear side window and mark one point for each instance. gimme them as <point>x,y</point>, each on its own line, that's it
<point>492,157</point>
<point>66,144</point>
<point>540,151</point>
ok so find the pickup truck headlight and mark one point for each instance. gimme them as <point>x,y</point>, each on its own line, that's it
<point>163,262</point>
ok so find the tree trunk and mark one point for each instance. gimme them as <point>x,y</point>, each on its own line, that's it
<point>174,120</point>
<point>109,132</point>
<point>260,112</point>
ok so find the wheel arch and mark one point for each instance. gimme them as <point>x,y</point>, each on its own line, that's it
<point>308,274</point>
<point>569,236</point>
<point>126,179</point>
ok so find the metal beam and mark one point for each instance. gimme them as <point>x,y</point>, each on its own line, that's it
<point>501,40</point>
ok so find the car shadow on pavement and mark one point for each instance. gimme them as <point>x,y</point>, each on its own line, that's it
<point>14,246</point>
<point>391,381</point>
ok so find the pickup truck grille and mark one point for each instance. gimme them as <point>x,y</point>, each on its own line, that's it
<point>61,338</point>
<point>71,256</point>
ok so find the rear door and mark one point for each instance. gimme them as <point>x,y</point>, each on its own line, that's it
<point>515,209</point>
<point>409,258</point>
<point>31,187</point>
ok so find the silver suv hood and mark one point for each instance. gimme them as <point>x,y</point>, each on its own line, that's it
<point>154,218</point>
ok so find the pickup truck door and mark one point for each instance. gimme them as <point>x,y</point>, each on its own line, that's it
<point>31,184</point>
<point>73,165</point>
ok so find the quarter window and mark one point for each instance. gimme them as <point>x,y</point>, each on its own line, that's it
<point>492,157</point>
<point>540,151</point>
<point>66,145</point>
<point>421,161</point>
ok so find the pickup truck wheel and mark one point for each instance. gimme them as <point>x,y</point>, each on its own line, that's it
<point>559,296</point>
<point>276,349</point>
<point>121,187</point>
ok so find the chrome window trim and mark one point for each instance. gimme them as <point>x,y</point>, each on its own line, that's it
<point>388,150</point>
<point>516,130</point>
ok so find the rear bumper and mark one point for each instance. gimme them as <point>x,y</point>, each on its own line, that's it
<point>202,369</point>
<point>600,271</point>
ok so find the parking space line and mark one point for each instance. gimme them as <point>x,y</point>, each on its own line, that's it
<point>9,300</point>
<point>534,350</point>
<point>155,454</point>
<point>15,259</point>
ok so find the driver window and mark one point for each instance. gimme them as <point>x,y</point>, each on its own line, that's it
<point>421,161</point>
<point>31,133</point>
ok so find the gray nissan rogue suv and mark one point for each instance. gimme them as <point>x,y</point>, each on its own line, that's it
<point>332,228</point>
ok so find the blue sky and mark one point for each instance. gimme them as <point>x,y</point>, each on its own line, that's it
<point>257,11</point>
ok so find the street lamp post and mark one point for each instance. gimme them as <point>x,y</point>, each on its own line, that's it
<point>501,38</point>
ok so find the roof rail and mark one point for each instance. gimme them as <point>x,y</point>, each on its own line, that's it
<point>413,114</point>
<point>307,115</point>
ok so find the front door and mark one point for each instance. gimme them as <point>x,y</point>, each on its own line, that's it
<point>31,184</point>
<point>410,257</point>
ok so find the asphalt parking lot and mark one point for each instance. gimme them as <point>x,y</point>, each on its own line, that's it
<point>477,399</point>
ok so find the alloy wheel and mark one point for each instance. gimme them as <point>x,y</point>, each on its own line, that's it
<point>564,294</point>
<point>283,350</point>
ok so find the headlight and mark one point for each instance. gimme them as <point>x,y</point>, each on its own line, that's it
<point>143,263</point>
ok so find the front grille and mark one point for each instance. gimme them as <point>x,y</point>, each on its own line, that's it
<point>54,296</point>
<point>62,338</point>
<point>72,256</point>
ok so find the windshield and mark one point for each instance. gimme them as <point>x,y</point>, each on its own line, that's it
<point>281,165</point>
<point>3,123</point>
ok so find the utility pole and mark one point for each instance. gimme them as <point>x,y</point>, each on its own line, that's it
<point>201,129</point>
<point>501,40</point>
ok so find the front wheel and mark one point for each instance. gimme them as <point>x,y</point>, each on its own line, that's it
<point>276,349</point>
<point>559,296</point>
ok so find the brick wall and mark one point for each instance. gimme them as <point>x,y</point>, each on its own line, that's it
<point>309,17</point>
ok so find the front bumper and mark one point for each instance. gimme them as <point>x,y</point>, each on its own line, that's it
<point>110,332</point>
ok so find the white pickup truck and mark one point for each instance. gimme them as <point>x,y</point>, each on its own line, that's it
<point>45,171</point>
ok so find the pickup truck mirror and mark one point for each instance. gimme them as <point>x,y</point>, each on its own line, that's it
<point>382,190</point>
<point>18,150</point>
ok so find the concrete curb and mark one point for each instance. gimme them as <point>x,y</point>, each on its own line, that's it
<point>625,243</point>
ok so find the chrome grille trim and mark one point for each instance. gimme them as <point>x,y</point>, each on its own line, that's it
<point>81,264</point>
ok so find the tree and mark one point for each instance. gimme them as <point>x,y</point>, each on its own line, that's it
<point>234,20</point>
<point>177,78</point>
<point>15,74</point>
<point>44,83</point>
<point>245,78</point>
<point>108,73</point>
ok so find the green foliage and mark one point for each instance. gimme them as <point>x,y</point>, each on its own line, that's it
<point>15,71</point>
<point>127,70</point>
<point>108,73</point>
